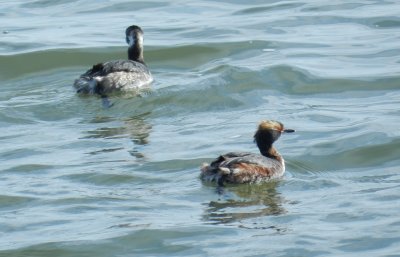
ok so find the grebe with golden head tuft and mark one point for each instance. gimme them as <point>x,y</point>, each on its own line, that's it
<point>245,167</point>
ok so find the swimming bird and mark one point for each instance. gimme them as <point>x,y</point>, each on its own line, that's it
<point>245,167</point>
<point>118,75</point>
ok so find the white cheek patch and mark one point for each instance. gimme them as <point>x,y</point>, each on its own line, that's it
<point>131,40</point>
<point>140,40</point>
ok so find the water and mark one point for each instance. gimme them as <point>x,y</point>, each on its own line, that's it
<point>80,180</point>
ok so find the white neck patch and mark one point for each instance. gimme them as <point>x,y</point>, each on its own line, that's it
<point>135,40</point>
<point>139,40</point>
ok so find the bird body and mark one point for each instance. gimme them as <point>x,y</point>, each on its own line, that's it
<point>118,75</point>
<point>245,167</point>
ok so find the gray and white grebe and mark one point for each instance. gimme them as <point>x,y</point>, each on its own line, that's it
<point>244,167</point>
<point>118,75</point>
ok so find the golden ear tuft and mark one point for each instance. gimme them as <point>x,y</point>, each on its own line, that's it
<point>270,124</point>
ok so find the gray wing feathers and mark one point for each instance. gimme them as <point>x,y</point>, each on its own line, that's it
<point>114,75</point>
<point>123,65</point>
<point>248,158</point>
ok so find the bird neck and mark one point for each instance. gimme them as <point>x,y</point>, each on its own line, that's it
<point>135,53</point>
<point>269,151</point>
<point>273,154</point>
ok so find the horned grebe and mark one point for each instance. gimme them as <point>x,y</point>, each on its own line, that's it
<point>118,75</point>
<point>244,167</point>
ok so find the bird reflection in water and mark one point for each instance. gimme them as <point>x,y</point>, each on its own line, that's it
<point>136,128</point>
<point>244,203</point>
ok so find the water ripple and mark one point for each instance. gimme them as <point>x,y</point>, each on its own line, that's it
<point>82,180</point>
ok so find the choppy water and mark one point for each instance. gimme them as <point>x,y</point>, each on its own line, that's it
<point>80,180</point>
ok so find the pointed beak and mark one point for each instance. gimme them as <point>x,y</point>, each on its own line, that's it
<point>288,131</point>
